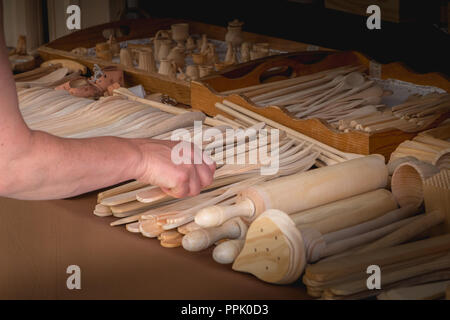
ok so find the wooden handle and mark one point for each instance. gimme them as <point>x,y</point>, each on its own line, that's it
<point>341,267</point>
<point>317,187</point>
<point>407,232</point>
<point>227,252</point>
<point>347,212</point>
<point>152,195</point>
<point>388,218</point>
<point>349,243</point>
<point>216,215</point>
<point>204,238</point>
<point>354,215</point>
<point>429,291</point>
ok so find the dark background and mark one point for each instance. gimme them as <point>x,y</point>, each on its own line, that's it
<point>420,44</point>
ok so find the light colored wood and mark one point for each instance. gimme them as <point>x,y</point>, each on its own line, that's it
<point>418,280</point>
<point>273,250</point>
<point>394,276</point>
<point>126,58</point>
<point>386,219</point>
<point>320,186</point>
<point>120,189</point>
<point>71,65</point>
<point>146,61</point>
<point>344,246</point>
<point>291,245</point>
<point>227,251</point>
<point>338,268</point>
<point>204,238</point>
<point>361,207</point>
<point>189,227</point>
<point>436,190</point>
<point>407,182</point>
<point>217,215</point>
<point>430,291</point>
<point>304,190</point>
<point>407,232</point>
<point>289,131</point>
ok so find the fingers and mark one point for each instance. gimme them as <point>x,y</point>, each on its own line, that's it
<point>205,174</point>
<point>209,162</point>
<point>195,185</point>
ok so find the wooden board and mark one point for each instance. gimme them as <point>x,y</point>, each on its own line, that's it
<point>40,239</point>
<point>145,28</point>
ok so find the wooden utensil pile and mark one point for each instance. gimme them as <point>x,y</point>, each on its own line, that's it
<point>328,155</point>
<point>329,95</point>
<point>51,76</point>
<point>414,114</point>
<point>347,101</point>
<point>401,265</point>
<point>147,211</point>
<point>404,265</point>
<point>61,114</point>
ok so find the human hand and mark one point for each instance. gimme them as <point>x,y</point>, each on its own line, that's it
<point>177,180</point>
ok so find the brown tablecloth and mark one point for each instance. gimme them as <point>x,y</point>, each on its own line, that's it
<point>40,239</point>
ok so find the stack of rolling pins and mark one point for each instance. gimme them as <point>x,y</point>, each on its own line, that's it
<point>335,215</point>
<point>427,148</point>
<point>414,270</point>
<point>347,101</point>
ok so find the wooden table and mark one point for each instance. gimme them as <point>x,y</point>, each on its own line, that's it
<point>39,240</point>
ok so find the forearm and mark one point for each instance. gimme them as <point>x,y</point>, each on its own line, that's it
<point>50,167</point>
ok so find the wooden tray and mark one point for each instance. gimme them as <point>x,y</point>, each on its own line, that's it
<point>205,94</point>
<point>145,28</point>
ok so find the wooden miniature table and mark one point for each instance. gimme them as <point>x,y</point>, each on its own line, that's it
<point>40,239</point>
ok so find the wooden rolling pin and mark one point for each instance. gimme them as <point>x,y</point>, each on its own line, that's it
<point>303,191</point>
<point>204,238</point>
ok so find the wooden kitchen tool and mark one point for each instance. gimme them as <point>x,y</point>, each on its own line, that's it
<point>338,268</point>
<point>287,244</point>
<point>204,238</point>
<point>429,291</point>
<point>304,190</point>
<point>227,251</point>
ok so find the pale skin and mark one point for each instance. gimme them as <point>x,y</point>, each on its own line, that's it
<point>35,165</point>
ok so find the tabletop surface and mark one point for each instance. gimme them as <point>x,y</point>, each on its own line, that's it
<point>40,239</point>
